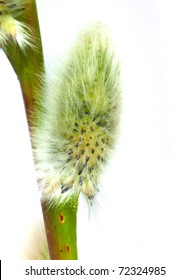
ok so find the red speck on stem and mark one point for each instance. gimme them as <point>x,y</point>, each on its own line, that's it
<point>68,248</point>
<point>61,217</point>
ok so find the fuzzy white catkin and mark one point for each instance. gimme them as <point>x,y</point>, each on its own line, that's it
<point>12,29</point>
<point>76,124</point>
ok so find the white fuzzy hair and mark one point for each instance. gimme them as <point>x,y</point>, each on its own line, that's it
<point>12,29</point>
<point>76,124</point>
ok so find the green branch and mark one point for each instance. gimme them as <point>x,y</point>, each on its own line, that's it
<point>28,63</point>
<point>60,224</point>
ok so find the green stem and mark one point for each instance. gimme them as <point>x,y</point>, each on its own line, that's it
<point>60,224</point>
<point>28,64</point>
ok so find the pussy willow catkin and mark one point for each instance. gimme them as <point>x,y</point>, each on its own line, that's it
<point>77,119</point>
<point>12,29</point>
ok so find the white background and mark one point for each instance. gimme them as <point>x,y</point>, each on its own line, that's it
<point>141,216</point>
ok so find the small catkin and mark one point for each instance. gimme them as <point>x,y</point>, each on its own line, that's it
<point>12,28</point>
<point>76,124</point>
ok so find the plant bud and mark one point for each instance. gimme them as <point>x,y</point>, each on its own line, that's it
<point>77,119</point>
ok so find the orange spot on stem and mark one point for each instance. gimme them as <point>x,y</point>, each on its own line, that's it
<point>61,218</point>
<point>68,248</point>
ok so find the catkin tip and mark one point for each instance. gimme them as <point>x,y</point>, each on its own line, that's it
<point>12,29</point>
